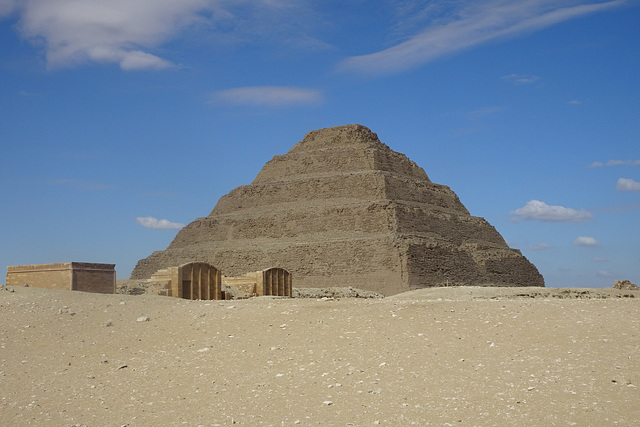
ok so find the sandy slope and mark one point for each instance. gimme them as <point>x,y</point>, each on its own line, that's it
<point>464,356</point>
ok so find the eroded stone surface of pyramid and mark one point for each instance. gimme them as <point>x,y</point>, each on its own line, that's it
<point>343,209</point>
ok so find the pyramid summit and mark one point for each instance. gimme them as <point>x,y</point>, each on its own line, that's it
<point>343,209</point>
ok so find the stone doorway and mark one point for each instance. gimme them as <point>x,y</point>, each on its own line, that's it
<point>197,280</point>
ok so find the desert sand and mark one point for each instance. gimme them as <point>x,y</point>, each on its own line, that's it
<point>445,356</point>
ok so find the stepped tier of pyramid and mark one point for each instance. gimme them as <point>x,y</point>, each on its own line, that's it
<point>343,209</point>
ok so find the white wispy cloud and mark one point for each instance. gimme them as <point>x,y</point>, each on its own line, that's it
<point>521,79</point>
<point>268,96</point>
<point>598,259</point>
<point>615,163</point>
<point>7,7</point>
<point>131,33</point>
<point>574,102</point>
<point>158,224</point>
<point>603,273</point>
<point>159,194</point>
<point>106,31</point>
<point>623,162</point>
<point>617,208</point>
<point>540,247</point>
<point>536,210</point>
<point>80,184</point>
<point>473,24</point>
<point>482,112</point>
<point>627,184</point>
<point>586,242</point>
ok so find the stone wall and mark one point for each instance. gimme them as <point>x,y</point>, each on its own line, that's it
<point>50,276</point>
<point>80,276</point>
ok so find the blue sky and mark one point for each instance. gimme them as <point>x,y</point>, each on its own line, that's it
<point>120,120</point>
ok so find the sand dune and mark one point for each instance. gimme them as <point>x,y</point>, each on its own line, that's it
<point>447,356</point>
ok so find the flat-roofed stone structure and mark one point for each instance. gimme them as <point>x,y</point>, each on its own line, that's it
<point>343,209</point>
<point>70,276</point>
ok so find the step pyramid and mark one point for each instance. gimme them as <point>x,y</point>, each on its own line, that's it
<point>343,209</point>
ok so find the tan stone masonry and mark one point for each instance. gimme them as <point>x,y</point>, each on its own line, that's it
<point>199,280</point>
<point>341,208</point>
<point>76,276</point>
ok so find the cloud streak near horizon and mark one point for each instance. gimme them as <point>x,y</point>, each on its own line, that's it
<point>267,96</point>
<point>158,224</point>
<point>536,210</point>
<point>475,24</point>
<point>588,242</point>
<point>540,247</point>
<point>80,184</point>
<point>627,184</point>
<point>615,163</point>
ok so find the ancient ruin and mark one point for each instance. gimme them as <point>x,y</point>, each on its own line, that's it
<point>71,276</point>
<point>269,282</point>
<point>196,280</point>
<point>343,209</point>
<point>624,285</point>
<point>203,281</point>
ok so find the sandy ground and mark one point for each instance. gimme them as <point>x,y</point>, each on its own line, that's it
<point>452,356</point>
